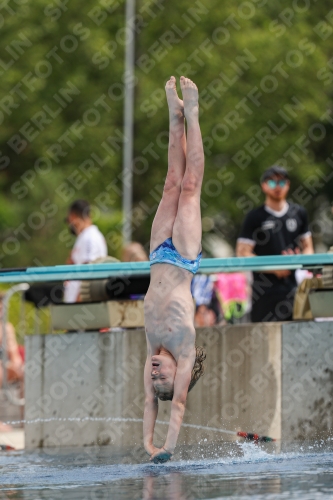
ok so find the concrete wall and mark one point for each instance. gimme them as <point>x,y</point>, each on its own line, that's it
<point>10,412</point>
<point>307,380</point>
<point>271,378</point>
<point>76,382</point>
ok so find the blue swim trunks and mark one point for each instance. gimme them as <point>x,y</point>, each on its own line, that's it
<point>166,253</point>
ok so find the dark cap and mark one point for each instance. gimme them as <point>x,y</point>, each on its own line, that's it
<point>274,170</point>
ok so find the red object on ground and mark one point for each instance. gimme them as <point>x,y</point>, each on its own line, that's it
<point>6,447</point>
<point>255,437</point>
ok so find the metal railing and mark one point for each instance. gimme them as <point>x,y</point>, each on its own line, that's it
<point>126,269</point>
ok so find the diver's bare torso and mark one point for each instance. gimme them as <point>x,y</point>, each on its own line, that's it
<point>169,311</point>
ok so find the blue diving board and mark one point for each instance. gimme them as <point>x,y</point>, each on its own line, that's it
<point>127,269</point>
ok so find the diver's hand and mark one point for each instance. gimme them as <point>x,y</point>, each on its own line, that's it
<point>151,449</point>
<point>160,456</point>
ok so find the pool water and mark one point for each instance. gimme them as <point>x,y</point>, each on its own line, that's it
<point>235,470</point>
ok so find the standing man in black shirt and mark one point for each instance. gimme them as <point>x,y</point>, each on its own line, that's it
<point>275,228</point>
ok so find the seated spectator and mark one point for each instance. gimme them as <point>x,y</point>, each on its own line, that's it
<point>14,366</point>
<point>205,316</point>
<point>202,287</point>
<point>232,291</point>
<point>134,252</point>
<point>207,308</point>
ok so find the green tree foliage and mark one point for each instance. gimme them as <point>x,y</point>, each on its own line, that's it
<point>264,71</point>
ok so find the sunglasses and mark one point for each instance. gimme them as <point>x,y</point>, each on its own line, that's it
<point>272,184</point>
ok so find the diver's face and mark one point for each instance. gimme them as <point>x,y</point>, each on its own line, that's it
<point>163,371</point>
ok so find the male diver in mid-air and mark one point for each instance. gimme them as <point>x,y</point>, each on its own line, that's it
<point>174,363</point>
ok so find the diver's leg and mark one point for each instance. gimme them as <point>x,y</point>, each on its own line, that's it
<point>187,230</point>
<point>167,209</point>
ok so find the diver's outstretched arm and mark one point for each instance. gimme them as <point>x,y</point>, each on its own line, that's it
<point>181,384</point>
<point>150,410</point>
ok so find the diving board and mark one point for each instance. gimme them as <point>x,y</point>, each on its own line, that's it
<point>127,269</point>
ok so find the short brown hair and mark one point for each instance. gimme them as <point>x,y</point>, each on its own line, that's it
<point>134,252</point>
<point>197,371</point>
<point>81,208</point>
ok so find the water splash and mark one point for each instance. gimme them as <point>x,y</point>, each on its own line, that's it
<point>251,451</point>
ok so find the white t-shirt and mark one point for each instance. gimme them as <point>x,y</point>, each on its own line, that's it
<point>89,245</point>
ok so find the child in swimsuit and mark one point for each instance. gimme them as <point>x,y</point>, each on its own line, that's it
<point>174,363</point>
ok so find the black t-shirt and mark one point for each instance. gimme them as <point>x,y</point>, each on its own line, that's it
<point>272,232</point>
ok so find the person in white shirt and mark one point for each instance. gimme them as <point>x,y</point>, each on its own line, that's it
<point>90,244</point>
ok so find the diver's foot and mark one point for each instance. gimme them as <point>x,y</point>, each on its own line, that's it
<point>176,106</point>
<point>190,98</point>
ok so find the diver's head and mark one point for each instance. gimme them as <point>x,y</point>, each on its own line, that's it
<point>163,374</point>
<point>164,369</point>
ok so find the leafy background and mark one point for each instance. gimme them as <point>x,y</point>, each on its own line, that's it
<point>239,42</point>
